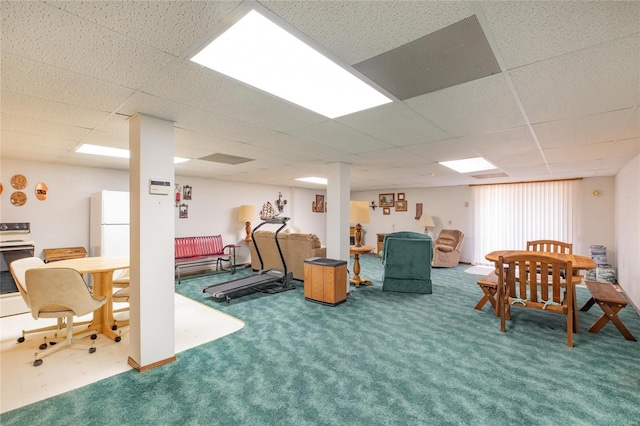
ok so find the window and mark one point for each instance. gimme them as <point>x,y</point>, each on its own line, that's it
<point>507,216</point>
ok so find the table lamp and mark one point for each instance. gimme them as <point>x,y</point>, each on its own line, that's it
<point>359,213</point>
<point>246,214</point>
<point>427,222</point>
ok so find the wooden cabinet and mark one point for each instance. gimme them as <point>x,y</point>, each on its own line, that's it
<point>325,281</point>
<point>380,242</point>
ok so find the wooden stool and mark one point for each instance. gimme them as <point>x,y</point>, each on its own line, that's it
<point>611,302</point>
<point>489,286</point>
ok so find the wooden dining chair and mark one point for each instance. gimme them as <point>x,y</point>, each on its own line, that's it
<point>550,246</point>
<point>520,285</point>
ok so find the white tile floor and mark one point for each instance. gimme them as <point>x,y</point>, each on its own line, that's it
<point>21,383</point>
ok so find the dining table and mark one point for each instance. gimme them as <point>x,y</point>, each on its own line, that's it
<point>101,269</point>
<point>578,262</point>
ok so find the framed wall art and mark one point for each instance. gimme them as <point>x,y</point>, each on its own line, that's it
<point>186,192</point>
<point>386,200</point>
<point>386,210</point>
<point>400,196</point>
<point>184,211</point>
<point>401,205</point>
<point>319,203</point>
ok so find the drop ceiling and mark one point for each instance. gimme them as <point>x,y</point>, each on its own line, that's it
<point>563,101</point>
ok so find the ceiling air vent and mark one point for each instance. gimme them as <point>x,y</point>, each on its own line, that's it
<point>490,175</point>
<point>226,159</point>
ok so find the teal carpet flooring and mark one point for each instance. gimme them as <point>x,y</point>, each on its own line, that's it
<point>379,359</point>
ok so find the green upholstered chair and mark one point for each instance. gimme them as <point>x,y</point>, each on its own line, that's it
<point>406,259</point>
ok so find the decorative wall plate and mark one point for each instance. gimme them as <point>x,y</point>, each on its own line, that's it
<point>42,191</point>
<point>19,182</point>
<point>18,198</point>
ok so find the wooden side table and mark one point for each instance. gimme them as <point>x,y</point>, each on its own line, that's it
<point>356,252</point>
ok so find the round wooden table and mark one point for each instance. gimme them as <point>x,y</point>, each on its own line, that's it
<point>101,268</point>
<point>356,252</point>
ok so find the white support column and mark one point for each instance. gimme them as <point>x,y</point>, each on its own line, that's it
<point>152,298</point>
<point>338,196</point>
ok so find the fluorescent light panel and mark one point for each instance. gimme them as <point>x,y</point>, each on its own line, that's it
<point>260,53</point>
<point>319,180</point>
<point>114,152</point>
<point>469,165</point>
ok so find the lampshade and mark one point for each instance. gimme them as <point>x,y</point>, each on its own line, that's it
<point>359,212</point>
<point>246,213</point>
<point>427,221</point>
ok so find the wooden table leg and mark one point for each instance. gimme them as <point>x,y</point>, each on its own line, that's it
<point>610,314</point>
<point>103,317</point>
<point>356,272</point>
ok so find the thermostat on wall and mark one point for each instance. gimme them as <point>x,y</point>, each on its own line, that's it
<point>159,187</point>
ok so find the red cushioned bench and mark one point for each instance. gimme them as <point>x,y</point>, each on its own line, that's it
<point>202,253</point>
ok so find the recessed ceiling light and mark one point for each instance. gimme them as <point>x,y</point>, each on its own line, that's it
<point>319,180</point>
<point>114,152</point>
<point>258,52</point>
<point>469,165</point>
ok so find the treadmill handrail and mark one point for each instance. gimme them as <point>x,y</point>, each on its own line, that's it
<point>273,220</point>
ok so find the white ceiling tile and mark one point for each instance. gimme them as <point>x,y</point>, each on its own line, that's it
<point>28,139</point>
<point>581,130</point>
<point>115,123</point>
<point>44,33</point>
<point>115,140</point>
<point>632,128</point>
<point>576,167</point>
<point>22,124</point>
<point>624,148</point>
<point>509,161</point>
<point>577,153</point>
<point>394,123</point>
<point>191,84</point>
<point>530,31</point>
<point>479,106</point>
<point>56,112</point>
<point>510,141</point>
<point>182,22</point>
<point>23,76</point>
<point>355,30</point>
<point>282,142</point>
<point>336,135</point>
<point>604,78</point>
<point>444,150</point>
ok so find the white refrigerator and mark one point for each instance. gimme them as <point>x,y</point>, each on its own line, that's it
<point>109,224</point>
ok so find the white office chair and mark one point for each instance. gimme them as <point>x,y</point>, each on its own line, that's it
<point>61,293</point>
<point>18,269</point>
<point>121,282</point>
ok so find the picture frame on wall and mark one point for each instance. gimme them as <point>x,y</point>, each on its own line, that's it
<point>319,203</point>
<point>186,192</point>
<point>184,211</point>
<point>386,210</point>
<point>401,205</point>
<point>386,200</point>
<point>400,196</point>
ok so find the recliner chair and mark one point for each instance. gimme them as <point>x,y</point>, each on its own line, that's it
<point>447,248</point>
<point>406,257</point>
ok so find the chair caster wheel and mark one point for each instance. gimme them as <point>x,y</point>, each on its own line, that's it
<point>20,339</point>
<point>114,327</point>
<point>37,362</point>
<point>42,347</point>
<point>118,338</point>
<point>94,336</point>
<point>92,350</point>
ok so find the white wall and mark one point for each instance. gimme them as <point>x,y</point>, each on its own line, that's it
<point>627,229</point>
<point>62,220</point>
<point>452,208</point>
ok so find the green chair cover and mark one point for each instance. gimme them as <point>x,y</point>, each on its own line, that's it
<point>406,259</point>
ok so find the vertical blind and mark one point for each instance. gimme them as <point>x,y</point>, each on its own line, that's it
<point>507,216</point>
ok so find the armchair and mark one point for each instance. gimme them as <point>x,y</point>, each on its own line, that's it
<point>447,248</point>
<point>406,259</point>
<point>61,293</point>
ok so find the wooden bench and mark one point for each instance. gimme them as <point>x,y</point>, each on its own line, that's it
<point>489,285</point>
<point>202,253</point>
<point>611,301</point>
<point>55,254</point>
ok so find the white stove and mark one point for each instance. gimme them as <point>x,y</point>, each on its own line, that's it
<point>15,243</point>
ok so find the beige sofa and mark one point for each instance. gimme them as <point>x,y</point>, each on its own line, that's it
<point>295,249</point>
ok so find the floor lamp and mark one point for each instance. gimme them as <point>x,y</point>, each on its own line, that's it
<point>246,214</point>
<point>359,213</point>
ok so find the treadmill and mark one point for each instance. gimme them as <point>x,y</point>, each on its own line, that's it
<point>265,281</point>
